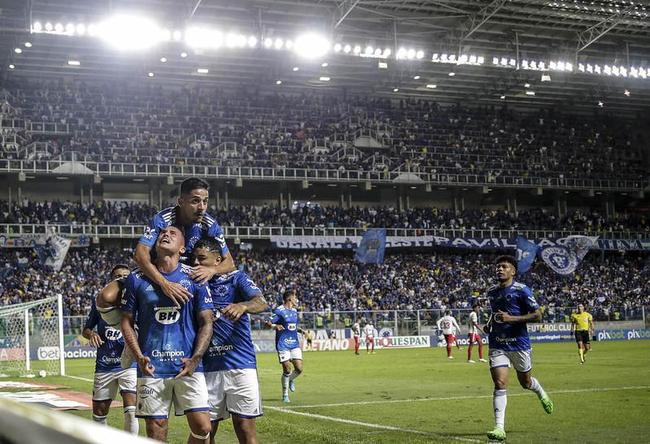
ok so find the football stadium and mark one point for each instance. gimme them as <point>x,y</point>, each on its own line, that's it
<point>324,221</point>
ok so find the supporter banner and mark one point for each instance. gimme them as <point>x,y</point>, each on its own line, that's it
<point>472,243</point>
<point>526,253</point>
<point>372,246</point>
<point>565,259</point>
<point>32,240</point>
<point>53,253</point>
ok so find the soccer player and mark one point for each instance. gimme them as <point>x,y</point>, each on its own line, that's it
<point>285,323</point>
<point>512,305</point>
<point>370,332</point>
<point>170,343</point>
<point>109,374</point>
<point>583,325</point>
<point>474,335</point>
<point>229,364</point>
<point>356,336</point>
<point>448,325</point>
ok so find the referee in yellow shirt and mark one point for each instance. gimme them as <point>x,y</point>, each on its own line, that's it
<point>583,324</point>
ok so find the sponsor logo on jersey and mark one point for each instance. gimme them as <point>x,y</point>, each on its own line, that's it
<point>112,334</point>
<point>167,315</point>
<point>167,354</point>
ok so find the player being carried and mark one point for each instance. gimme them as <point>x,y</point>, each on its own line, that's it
<point>285,323</point>
<point>356,336</point>
<point>230,365</point>
<point>109,374</point>
<point>474,334</point>
<point>370,332</point>
<point>448,326</point>
<point>170,343</point>
<point>512,305</point>
<point>583,325</point>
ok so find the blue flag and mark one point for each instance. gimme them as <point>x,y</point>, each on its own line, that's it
<point>526,253</point>
<point>372,247</point>
<point>565,258</point>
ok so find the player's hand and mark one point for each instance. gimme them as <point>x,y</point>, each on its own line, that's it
<point>145,366</point>
<point>177,293</point>
<point>189,365</point>
<point>502,316</point>
<point>234,311</point>
<point>279,327</point>
<point>95,340</point>
<point>202,274</point>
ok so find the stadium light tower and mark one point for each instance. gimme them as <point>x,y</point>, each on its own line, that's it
<point>129,32</point>
<point>311,45</point>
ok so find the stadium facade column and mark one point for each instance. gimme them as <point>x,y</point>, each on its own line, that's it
<point>610,206</point>
<point>156,193</point>
<point>560,204</point>
<point>511,205</point>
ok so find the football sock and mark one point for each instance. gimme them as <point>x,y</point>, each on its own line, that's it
<point>536,387</point>
<point>99,419</point>
<point>131,423</point>
<point>480,350</point>
<point>294,374</point>
<point>285,383</point>
<point>469,352</point>
<point>499,402</point>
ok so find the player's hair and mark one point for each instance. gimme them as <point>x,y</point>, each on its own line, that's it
<point>119,267</point>
<point>208,243</point>
<point>508,259</point>
<point>192,183</point>
<point>476,304</point>
<point>287,294</point>
<point>448,312</point>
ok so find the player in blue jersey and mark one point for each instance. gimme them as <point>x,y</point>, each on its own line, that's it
<point>170,343</point>
<point>109,374</point>
<point>229,364</point>
<point>285,323</point>
<point>512,305</point>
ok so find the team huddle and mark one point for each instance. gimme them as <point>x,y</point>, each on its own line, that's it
<point>176,330</point>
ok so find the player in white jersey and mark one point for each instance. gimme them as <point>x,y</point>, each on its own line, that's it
<point>448,325</point>
<point>474,334</point>
<point>370,332</point>
<point>356,335</point>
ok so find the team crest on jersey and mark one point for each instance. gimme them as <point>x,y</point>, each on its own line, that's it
<point>167,315</point>
<point>185,283</point>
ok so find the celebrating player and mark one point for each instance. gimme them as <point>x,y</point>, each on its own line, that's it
<point>513,305</point>
<point>370,332</point>
<point>448,325</point>
<point>170,343</point>
<point>285,323</point>
<point>474,334</point>
<point>229,364</point>
<point>109,374</point>
<point>583,325</point>
<point>356,336</point>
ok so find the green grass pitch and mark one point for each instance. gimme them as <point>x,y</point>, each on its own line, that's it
<point>418,396</point>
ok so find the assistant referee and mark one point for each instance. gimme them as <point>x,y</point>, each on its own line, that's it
<point>583,324</point>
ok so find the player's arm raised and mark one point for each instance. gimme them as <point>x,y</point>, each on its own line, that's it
<point>201,344</point>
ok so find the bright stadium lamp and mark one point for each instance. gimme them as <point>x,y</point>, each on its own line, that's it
<point>203,38</point>
<point>37,27</point>
<point>127,32</point>
<point>311,46</point>
<point>81,29</point>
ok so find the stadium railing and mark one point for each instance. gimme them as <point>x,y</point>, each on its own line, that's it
<point>135,231</point>
<point>58,167</point>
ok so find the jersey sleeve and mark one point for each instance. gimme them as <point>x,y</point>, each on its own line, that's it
<point>216,232</point>
<point>203,297</point>
<point>93,317</point>
<point>152,231</point>
<point>248,288</point>
<point>128,303</point>
<point>275,317</point>
<point>528,300</point>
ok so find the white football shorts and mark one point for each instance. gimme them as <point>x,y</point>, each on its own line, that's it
<point>286,355</point>
<point>521,360</point>
<point>234,392</point>
<point>156,395</point>
<point>106,385</point>
<point>112,316</point>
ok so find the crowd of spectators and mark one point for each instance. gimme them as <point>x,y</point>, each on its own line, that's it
<point>136,213</point>
<point>433,281</point>
<point>150,125</point>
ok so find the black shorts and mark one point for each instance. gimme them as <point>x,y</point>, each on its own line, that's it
<point>583,336</point>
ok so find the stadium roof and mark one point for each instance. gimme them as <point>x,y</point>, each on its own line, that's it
<point>576,33</point>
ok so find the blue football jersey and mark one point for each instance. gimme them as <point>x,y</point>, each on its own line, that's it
<point>165,333</point>
<point>232,345</point>
<point>108,354</point>
<point>286,339</point>
<point>208,227</point>
<point>516,300</point>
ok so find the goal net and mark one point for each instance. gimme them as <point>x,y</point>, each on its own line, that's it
<point>31,338</point>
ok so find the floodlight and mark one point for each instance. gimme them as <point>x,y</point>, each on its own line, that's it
<point>70,28</point>
<point>150,74</point>
<point>369,50</point>
<point>395,90</point>
<point>81,29</point>
<point>12,66</point>
<point>472,59</point>
<point>530,93</point>
<point>203,38</point>
<point>49,27</point>
<point>524,64</point>
<point>387,52</point>
<point>278,82</point>
<point>541,65</point>
<point>480,60</point>
<point>443,58</point>
<point>416,77</point>
<point>337,47</point>
<point>92,30</point>
<point>615,71</point>
<point>553,66</point>
<point>410,54</point>
<point>495,60</point>
<point>288,44</point>
<point>324,64</point>
<point>165,35</point>
<point>504,61</point>
<point>526,85</point>
<point>74,62</point>
<point>278,43</point>
<point>312,46</point>
<point>295,68</point>
<point>324,79</point>
<point>129,32</point>
<point>268,42</point>
<point>627,93</point>
<point>377,52</point>
<point>546,78</point>
<point>623,71</point>
<point>58,27</point>
<point>432,86</point>
<point>581,67</point>
<point>347,49</point>
<point>419,55</point>
<point>183,55</point>
<point>513,62</point>
<point>177,35</point>
<point>37,27</point>
<point>234,40</point>
<point>202,70</point>
<point>597,69</point>
<point>18,51</point>
<point>163,59</point>
<point>357,49</point>
<point>252,41</point>
<point>451,74</point>
<point>28,44</point>
<point>452,58</point>
<point>401,53</point>
<point>634,72</point>
<point>435,57</point>
<point>503,97</point>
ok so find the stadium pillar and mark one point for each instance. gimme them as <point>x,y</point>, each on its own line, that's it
<point>225,198</point>
<point>419,324</point>
<point>281,200</point>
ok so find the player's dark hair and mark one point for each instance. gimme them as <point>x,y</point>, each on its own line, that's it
<point>476,304</point>
<point>507,259</point>
<point>119,267</point>
<point>448,312</point>
<point>193,183</point>
<point>208,243</point>
<point>287,294</point>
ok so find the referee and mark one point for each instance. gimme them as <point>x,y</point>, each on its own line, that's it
<point>583,324</point>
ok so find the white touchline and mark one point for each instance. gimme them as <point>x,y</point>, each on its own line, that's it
<point>458,398</point>
<point>79,378</point>
<point>371,425</point>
